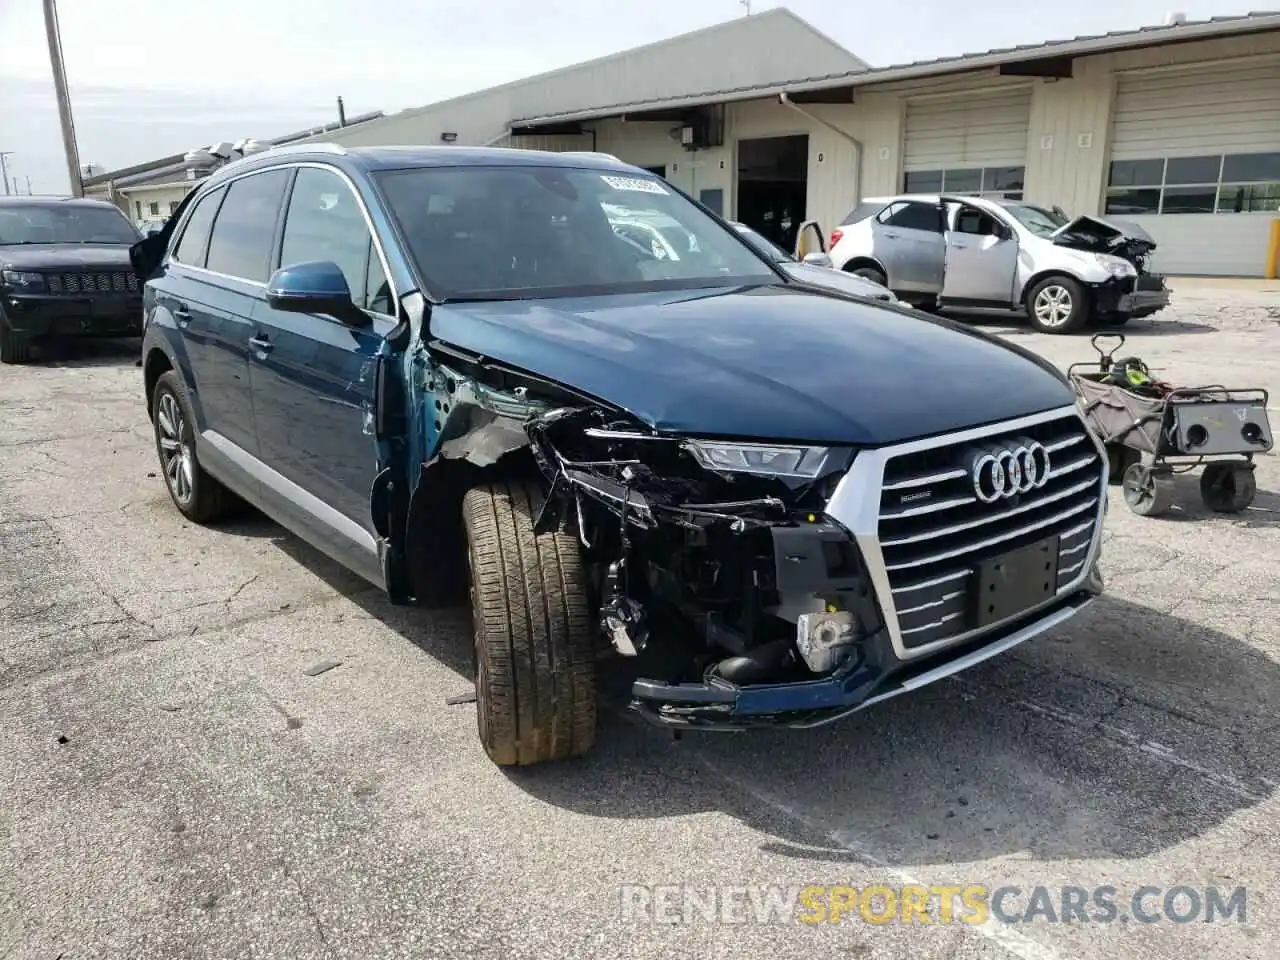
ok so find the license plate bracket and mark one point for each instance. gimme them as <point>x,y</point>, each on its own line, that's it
<point>1016,581</point>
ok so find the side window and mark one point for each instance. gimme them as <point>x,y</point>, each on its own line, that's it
<point>195,236</point>
<point>912,216</point>
<point>974,221</point>
<point>325,222</point>
<point>242,234</point>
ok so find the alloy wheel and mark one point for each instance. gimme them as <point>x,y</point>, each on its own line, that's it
<point>1053,305</point>
<point>176,458</point>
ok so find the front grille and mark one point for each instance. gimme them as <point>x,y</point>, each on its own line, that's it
<point>1149,281</point>
<point>108,281</point>
<point>934,533</point>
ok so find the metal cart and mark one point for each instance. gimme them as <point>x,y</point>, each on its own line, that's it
<point>1149,439</point>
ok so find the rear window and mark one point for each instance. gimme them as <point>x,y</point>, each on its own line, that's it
<point>861,212</point>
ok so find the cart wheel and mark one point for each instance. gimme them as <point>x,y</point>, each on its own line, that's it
<point>1228,487</point>
<point>1147,493</point>
<point>1119,459</point>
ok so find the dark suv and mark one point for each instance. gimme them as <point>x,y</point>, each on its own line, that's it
<point>449,369</point>
<point>64,272</point>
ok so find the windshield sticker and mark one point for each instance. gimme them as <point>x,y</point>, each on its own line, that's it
<point>634,184</point>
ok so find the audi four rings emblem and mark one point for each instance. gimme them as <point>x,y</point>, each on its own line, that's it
<point>1001,471</point>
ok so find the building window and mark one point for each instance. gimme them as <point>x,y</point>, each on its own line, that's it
<point>173,207</point>
<point>1213,183</point>
<point>993,182</point>
<point>137,206</point>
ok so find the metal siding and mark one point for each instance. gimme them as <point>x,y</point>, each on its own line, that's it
<point>1223,108</point>
<point>978,129</point>
<point>1209,244</point>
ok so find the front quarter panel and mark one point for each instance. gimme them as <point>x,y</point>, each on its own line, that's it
<point>164,335</point>
<point>1038,257</point>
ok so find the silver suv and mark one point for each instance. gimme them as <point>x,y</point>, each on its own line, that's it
<point>974,252</point>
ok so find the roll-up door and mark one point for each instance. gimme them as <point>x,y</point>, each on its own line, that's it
<point>975,144</point>
<point>1195,159</point>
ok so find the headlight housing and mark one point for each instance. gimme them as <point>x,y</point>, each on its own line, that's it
<point>761,459</point>
<point>21,281</point>
<point>1116,266</point>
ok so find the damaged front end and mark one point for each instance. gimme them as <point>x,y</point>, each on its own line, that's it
<point>715,567</point>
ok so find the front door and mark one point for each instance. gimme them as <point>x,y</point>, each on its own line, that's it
<point>982,258</point>
<point>314,375</point>
<point>907,239</point>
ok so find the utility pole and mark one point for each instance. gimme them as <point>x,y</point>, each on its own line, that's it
<point>4,171</point>
<point>64,98</point>
<point>342,113</point>
<point>28,186</point>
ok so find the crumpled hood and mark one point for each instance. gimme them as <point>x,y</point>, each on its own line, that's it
<point>1102,234</point>
<point>772,363</point>
<point>65,256</point>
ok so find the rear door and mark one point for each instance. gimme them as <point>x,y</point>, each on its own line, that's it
<point>314,375</point>
<point>982,258</point>
<point>907,239</point>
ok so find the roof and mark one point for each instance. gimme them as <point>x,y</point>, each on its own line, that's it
<point>157,170</point>
<point>410,157</point>
<point>1088,44</point>
<point>28,200</point>
<point>792,43</point>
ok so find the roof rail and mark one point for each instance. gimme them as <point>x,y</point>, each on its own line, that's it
<point>306,148</point>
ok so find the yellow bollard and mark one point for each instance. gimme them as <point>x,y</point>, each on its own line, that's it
<point>1273,252</point>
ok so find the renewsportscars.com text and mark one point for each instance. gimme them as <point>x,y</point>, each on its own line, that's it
<point>973,904</point>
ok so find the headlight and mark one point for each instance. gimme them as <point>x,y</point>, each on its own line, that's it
<point>1116,266</point>
<point>21,281</point>
<point>761,459</point>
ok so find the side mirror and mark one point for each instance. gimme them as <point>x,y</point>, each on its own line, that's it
<point>318,286</point>
<point>819,260</point>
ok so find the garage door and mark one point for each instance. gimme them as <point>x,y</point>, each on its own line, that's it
<point>976,144</point>
<point>1195,159</point>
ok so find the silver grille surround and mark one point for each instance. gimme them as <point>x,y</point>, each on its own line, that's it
<point>856,505</point>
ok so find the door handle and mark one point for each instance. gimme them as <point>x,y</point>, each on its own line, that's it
<point>182,315</point>
<point>260,342</point>
<point>893,236</point>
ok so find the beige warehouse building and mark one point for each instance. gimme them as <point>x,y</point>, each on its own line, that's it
<point>764,118</point>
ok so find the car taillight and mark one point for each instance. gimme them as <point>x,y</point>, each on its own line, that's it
<point>836,236</point>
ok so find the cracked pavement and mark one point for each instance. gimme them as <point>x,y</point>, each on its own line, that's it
<point>176,784</point>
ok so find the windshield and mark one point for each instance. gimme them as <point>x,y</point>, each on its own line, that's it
<point>770,250</point>
<point>514,232</point>
<point>63,223</point>
<point>1038,220</point>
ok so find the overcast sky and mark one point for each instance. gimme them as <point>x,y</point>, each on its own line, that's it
<point>156,77</point>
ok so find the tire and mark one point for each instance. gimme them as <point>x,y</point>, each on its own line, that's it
<point>533,632</point>
<point>1057,305</point>
<point>1228,487</point>
<point>1148,494</point>
<point>874,274</point>
<point>198,497</point>
<point>1119,459</point>
<point>13,348</point>
<point>1114,319</point>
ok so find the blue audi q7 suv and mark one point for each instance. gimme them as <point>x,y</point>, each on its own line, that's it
<point>464,375</point>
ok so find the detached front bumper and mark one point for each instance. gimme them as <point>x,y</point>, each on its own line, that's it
<point>109,315</point>
<point>876,676</point>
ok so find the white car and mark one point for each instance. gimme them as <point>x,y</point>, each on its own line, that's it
<point>972,252</point>
<point>816,269</point>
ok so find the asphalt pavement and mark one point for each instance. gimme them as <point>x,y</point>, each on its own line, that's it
<point>215,743</point>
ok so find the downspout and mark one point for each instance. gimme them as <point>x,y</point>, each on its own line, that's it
<point>786,101</point>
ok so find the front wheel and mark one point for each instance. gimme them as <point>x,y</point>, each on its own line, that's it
<point>533,633</point>
<point>1228,487</point>
<point>198,496</point>
<point>874,274</point>
<point>1057,305</point>
<point>13,348</point>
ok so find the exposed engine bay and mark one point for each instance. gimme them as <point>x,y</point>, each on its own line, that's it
<point>708,558</point>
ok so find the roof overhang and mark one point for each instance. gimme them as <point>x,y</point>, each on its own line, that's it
<point>1050,59</point>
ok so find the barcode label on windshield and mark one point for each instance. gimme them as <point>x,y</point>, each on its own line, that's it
<point>634,184</point>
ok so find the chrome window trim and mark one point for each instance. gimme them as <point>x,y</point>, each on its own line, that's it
<point>855,505</point>
<point>297,164</point>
